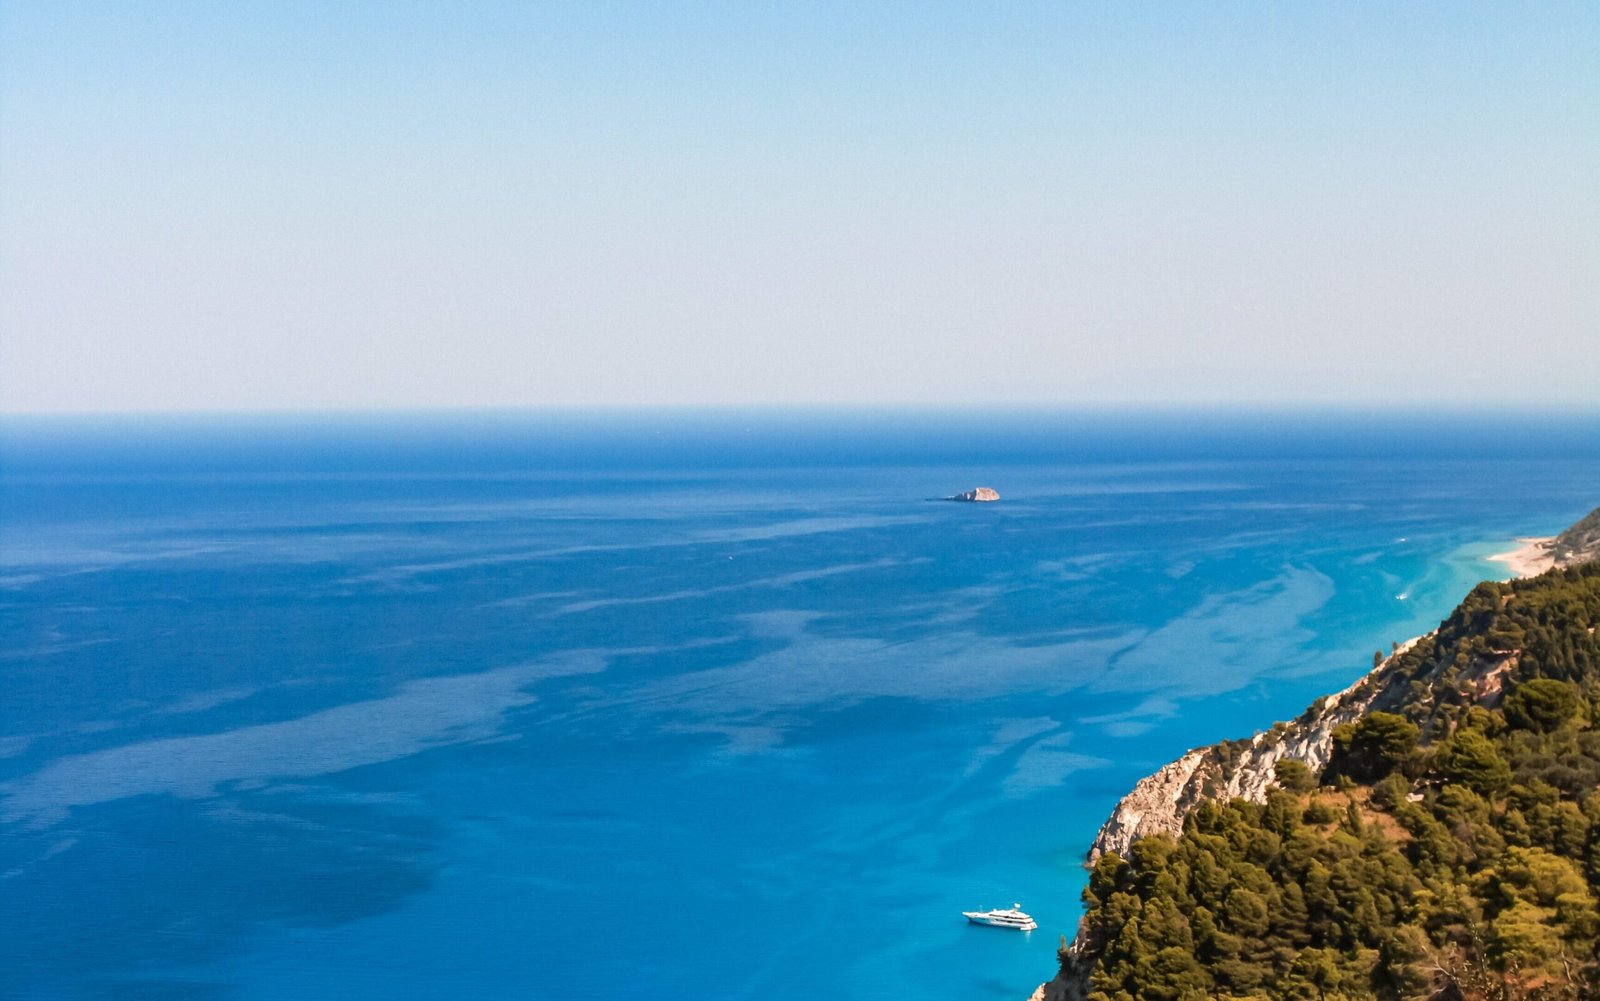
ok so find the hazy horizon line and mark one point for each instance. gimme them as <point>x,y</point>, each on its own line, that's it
<point>1237,407</point>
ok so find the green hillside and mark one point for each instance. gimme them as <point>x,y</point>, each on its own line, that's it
<point>1450,849</point>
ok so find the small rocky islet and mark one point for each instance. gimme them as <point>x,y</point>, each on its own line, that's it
<point>977,495</point>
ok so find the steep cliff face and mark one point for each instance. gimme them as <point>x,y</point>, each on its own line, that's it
<point>1246,769</point>
<point>1242,769</point>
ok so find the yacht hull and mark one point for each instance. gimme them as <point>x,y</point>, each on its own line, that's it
<point>1009,924</point>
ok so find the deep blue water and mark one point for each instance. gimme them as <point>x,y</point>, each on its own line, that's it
<point>671,705</point>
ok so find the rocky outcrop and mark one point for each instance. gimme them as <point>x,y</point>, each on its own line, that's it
<point>1246,769</point>
<point>1158,803</point>
<point>979,494</point>
<point>1236,769</point>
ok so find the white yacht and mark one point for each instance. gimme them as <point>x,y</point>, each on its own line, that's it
<point>1013,918</point>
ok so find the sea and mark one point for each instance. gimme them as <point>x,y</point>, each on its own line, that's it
<point>670,704</point>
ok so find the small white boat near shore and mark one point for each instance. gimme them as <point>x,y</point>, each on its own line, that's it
<point>1012,918</point>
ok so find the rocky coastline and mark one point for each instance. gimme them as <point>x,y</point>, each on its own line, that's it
<point>1241,769</point>
<point>1246,769</point>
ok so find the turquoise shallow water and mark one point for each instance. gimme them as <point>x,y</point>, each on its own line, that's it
<point>695,707</point>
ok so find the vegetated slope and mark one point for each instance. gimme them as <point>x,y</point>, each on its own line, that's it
<point>1448,846</point>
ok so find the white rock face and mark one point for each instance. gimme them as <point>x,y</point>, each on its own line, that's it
<point>982,494</point>
<point>1159,802</point>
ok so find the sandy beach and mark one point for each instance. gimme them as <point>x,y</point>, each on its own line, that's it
<point>1530,558</point>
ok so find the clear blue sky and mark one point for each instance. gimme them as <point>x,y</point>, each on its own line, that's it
<point>293,205</point>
